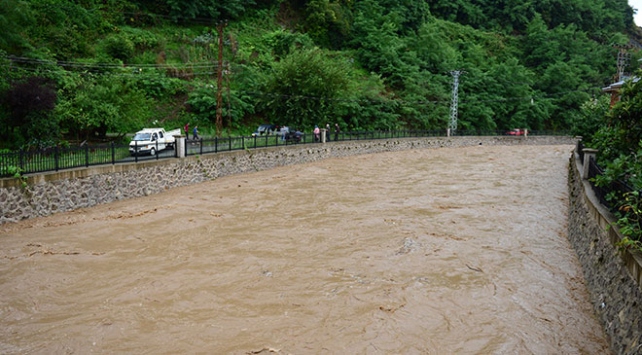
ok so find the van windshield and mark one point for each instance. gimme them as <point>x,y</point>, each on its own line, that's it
<point>142,137</point>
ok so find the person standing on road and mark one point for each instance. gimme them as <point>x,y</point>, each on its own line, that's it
<point>336,131</point>
<point>187,131</point>
<point>317,137</point>
<point>195,133</point>
<point>327,132</point>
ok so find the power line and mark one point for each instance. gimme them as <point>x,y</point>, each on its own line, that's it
<point>68,64</point>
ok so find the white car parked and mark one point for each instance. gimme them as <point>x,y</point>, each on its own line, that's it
<point>152,140</point>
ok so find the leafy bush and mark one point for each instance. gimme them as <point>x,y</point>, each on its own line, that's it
<point>141,39</point>
<point>304,87</point>
<point>105,104</point>
<point>156,85</point>
<point>119,47</point>
<point>284,42</point>
<point>629,221</point>
<point>30,104</point>
<point>619,142</point>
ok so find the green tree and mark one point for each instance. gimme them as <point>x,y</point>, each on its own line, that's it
<point>215,10</point>
<point>327,22</point>
<point>378,45</point>
<point>435,49</point>
<point>568,65</point>
<point>284,42</point>
<point>624,121</point>
<point>30,104</point>
<point>100,104</point>
<point>591,117</point>
<point>304,87</point>
<point>619,141</point>
<point>15,16</point>
<point>67,29</point>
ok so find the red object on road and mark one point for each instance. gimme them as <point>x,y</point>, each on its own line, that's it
<point>516,132</point>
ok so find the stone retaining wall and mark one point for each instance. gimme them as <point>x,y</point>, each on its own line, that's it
<point>612,276</point>
<point>44,194</point>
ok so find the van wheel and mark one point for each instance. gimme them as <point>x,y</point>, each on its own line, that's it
<point>152,151</point>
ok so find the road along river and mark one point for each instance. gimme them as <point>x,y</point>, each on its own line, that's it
<point>435,251</point>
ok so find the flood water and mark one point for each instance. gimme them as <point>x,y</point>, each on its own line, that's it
<point>436,251</point>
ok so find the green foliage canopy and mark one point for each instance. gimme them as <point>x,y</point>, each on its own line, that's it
<point>119,64</point>
<point>304,87</point>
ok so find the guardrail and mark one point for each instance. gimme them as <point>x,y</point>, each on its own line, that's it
<point>215,145</point>
<point>59,158</point>
<point>616,188</point>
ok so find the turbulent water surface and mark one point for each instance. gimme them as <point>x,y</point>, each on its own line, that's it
<point>434,251</point>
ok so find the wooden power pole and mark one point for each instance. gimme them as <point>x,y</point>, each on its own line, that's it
<point>219,80</point>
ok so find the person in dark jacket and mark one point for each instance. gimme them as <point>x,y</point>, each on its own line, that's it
<point>336,131</point>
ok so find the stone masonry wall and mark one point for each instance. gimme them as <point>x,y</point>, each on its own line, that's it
<point>612,276</point>
<point>44,194</point>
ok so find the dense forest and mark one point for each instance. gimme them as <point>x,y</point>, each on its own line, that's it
<point>97,69</point>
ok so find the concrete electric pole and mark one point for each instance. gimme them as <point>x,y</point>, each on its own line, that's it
<point>219,80</point>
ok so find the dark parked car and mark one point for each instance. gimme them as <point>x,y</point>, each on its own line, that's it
<point>293,136</point>
<point>264,129</point>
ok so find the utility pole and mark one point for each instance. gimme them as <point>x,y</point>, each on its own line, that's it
<point>219,80</point>
<point>228,73</point>
<point>452,124</point>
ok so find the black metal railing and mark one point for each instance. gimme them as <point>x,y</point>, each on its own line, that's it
<point>616,189</point>
<point>600,191</point>
<point>59,158</point>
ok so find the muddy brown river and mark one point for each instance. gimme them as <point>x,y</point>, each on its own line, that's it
<point>436,251</point>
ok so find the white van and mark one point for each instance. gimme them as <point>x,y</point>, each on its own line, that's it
<point>152,140</point>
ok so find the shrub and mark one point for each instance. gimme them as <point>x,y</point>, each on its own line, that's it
<point>119,47</point>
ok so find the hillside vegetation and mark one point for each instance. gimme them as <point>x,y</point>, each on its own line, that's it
<point>92,69</point>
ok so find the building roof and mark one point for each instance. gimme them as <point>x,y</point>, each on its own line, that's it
<point>616,86</point>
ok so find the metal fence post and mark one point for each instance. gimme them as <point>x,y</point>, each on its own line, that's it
<point>56,157</point>
<point>21,160</point>
<point>86,155</point>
